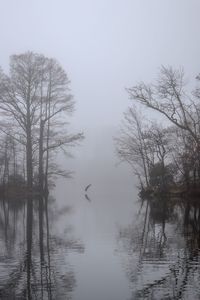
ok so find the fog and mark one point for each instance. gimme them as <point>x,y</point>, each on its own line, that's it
<point>100,246</point>
<point>104,46</point>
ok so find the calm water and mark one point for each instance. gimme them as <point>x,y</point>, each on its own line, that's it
<point>106,245</point>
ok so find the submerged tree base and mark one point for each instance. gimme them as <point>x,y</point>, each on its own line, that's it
<point>19,191</point>
<point>181,191</point>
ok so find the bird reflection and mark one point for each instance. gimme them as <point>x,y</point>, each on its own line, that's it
<point>86,197</point>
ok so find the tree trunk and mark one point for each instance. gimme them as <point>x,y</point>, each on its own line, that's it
<point>29,173</point>
<point>41,189</point>
<point>47,152</point>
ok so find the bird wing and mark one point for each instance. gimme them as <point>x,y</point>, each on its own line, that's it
<point>87,187</point>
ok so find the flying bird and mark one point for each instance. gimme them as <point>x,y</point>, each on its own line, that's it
<point>87,187</point>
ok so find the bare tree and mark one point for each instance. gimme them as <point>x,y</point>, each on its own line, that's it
<point>169,98</point>
<point>132,147</point>
<point>55,104</point>
<point>19,102</point>
<point>145,147</point>
<point>34,103</point>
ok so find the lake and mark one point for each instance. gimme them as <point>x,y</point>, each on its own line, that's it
<point>103,244</point>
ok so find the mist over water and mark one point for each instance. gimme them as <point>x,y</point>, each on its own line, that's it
<point>97,220</point>
<point>103,243</point>
<point>92,237</point>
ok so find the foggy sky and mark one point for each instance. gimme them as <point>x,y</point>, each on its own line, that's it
<point>104,45</point>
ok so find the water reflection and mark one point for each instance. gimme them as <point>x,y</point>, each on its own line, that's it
<point>87,198</point>
<point>161,250</point>
<point>33,256</point>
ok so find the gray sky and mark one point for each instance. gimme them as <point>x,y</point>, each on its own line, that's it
<point>104,45</point>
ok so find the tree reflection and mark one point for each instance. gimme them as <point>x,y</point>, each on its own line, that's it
<point>163,249</point>
<point>33,257</point>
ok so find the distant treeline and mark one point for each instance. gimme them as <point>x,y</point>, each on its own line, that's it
<point>166,153</point>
